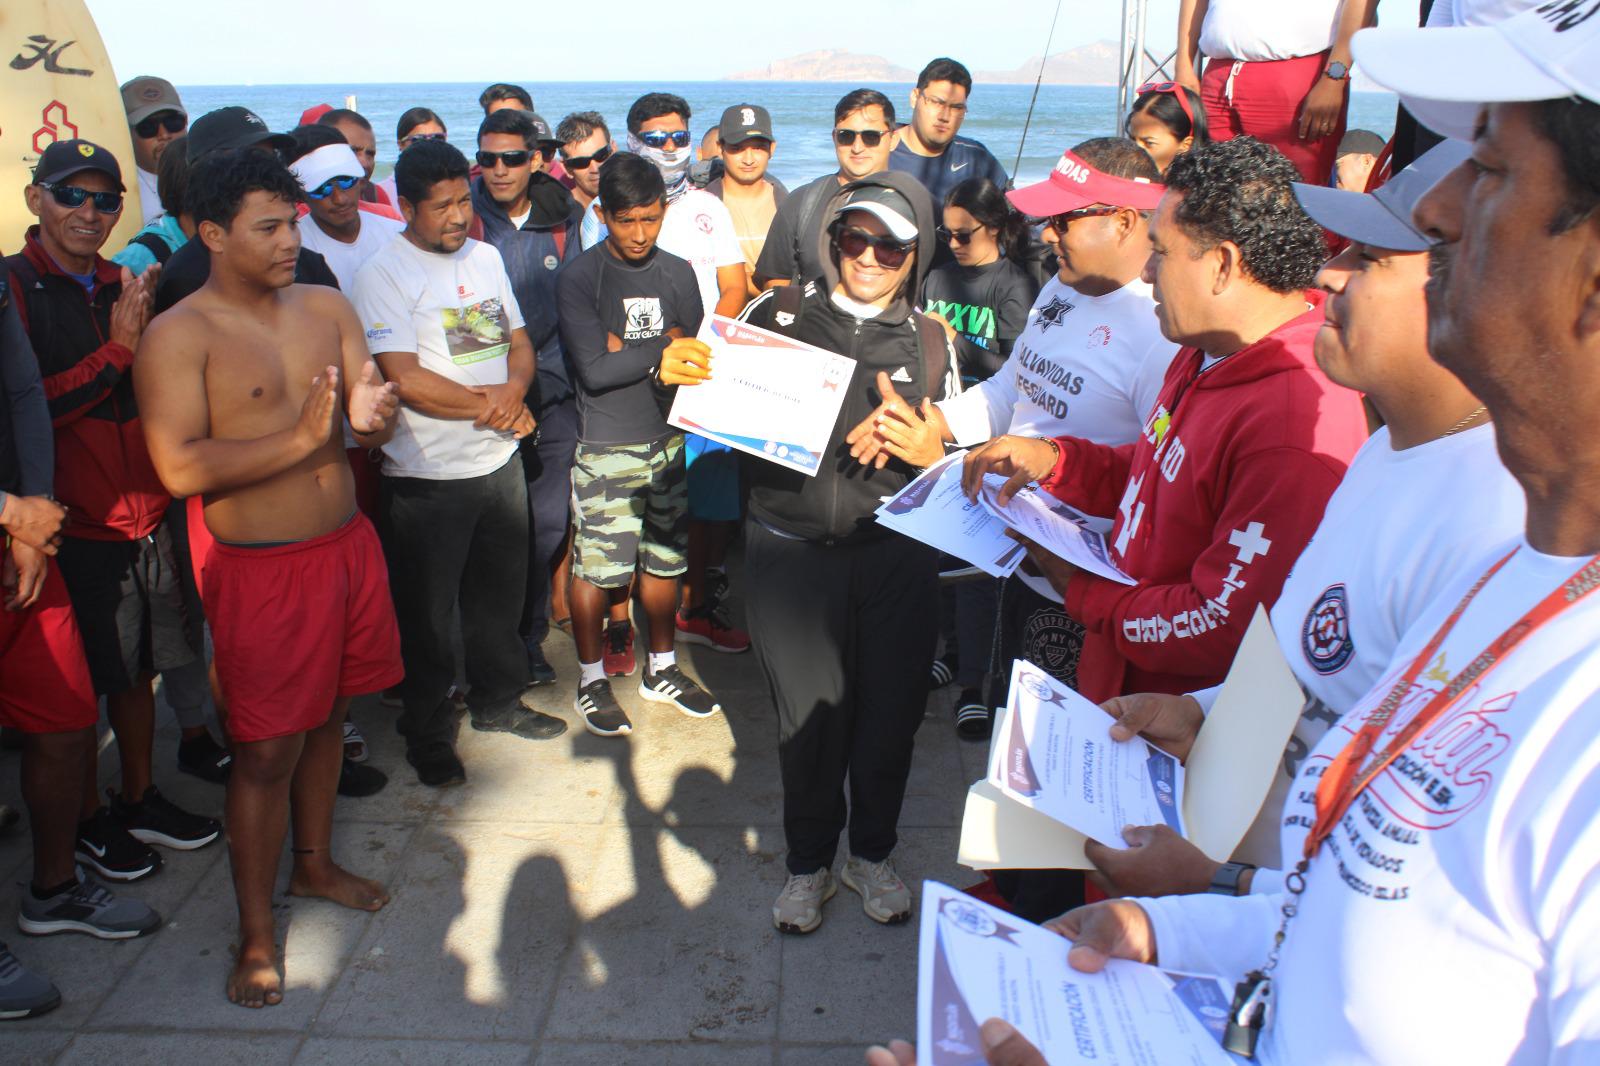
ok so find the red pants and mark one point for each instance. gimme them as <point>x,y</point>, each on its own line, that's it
<point>44,677</point>
<point>1262,100</point>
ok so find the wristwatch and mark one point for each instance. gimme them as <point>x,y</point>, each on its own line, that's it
<point>1336,70</point>
<point>1225,882</point>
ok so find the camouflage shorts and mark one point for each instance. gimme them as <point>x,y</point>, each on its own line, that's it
<point>630,505</point>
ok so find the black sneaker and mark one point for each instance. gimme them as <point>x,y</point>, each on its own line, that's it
<point>974,717</point>
<point>105,846</point>
<point>671,685</point>
<point>205,758</point>
<point>86,907</point>
<point>157,820</point>
<point>602,714</point>
<point>436,764</point>
<point>540,672</point>
<point>358,780</point>
<point>524,722</point>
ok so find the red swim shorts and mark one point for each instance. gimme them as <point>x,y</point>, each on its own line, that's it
<point>44,677</point>
<point>297,626</point>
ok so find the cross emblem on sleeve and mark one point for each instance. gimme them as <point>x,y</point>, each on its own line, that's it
<point>1250,542</point>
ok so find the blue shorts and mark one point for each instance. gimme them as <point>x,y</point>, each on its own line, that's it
<point>713,479</point>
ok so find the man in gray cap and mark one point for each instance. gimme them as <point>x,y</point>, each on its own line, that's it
<point>156,117</point>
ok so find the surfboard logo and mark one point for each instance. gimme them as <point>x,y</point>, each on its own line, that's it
<point>46,51</point>
<point>54,117</point>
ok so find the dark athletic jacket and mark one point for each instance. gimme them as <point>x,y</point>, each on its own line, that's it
<point>838,503</point>
<point>103,471</point>
<point>534,255</point>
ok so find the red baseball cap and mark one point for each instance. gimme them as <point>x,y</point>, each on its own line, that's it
<point>1074,184</point>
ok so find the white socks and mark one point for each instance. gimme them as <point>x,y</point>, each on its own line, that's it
<point>660,660</point>
<point>589,673</point>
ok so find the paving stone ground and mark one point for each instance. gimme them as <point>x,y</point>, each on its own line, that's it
<point>579,901</point>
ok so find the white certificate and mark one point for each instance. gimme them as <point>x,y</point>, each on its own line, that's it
<point>769,395</point>
<point>1055,755</point>
<point>1059,529</point>
<point>934,510</point>
<point>976,962</point>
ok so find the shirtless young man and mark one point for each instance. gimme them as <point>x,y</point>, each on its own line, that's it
<point>241,386</point>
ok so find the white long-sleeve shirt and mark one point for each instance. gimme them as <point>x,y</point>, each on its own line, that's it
<point>1453,915</point>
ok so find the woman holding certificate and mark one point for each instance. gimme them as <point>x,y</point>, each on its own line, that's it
<point>844,614</point>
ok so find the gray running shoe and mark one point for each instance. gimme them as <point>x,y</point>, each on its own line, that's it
<point>23,993</point>
<point>798,908</point>
<point>884,896</point>
<point>86,907</point>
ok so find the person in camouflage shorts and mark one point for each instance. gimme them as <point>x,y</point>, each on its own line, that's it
<point>631,504</point>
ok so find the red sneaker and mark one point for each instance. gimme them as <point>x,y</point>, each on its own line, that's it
<point>619,659</point>
<point>712,627</point>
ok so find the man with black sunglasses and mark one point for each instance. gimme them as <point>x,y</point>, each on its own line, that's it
<point>532,220</point>
<point>862,121</point>
<point>156,118</point>
<point>85,322</point>
<point>585,144</point>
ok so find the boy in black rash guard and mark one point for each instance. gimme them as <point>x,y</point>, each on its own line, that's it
<point>620,304</point>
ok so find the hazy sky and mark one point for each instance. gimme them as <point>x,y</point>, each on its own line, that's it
<point>211,42</point>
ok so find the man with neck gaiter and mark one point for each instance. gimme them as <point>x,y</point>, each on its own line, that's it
<point>699,229</point>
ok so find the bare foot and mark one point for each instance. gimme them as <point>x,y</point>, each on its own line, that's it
<point>255,980</point>
<point>330,881</point>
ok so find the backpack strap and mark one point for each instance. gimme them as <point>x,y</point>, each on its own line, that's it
<point>935,348</point>
<point>155,246</point>
<point>816,195</point>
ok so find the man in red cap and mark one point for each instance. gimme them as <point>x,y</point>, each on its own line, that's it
<point>1089,364</point>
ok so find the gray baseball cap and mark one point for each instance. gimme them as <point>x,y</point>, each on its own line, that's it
<point>1382,219</point>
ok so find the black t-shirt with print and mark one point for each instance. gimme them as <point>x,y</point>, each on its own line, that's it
<point>619,401</point>
<point>987,306</point>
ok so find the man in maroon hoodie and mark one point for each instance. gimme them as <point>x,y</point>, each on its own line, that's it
<point>84,316</point>
<point>1247,441</point>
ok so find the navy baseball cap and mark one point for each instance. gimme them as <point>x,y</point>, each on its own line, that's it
<point>232,127</point>
<point>65,158</point>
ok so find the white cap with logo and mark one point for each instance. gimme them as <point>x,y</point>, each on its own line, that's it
<point>1445,76</point>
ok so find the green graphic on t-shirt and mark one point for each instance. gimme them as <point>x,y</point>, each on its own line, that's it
<point>476,333</point>
<point>976,322</point>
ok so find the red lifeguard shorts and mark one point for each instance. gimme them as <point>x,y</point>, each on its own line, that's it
<point>44,677</point>
<point>297,626</point>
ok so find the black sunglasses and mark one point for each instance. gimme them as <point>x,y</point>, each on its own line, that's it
<point>511,159</point>
<point>582,162</point>
<point>171,121</point>
<point>962,237</point>
<point>889,253</point>
<point>72,196</point>
<point>659,138</point>
<point>870,138</point>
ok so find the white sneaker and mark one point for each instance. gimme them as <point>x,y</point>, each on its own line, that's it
<point>884,896</point>
<point>799,906</point>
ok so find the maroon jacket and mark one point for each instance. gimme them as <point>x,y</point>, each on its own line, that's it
<point>103,471</point>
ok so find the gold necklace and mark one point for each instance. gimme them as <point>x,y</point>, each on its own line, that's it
<point>1459,426</point>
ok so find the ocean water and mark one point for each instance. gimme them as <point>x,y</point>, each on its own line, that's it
<point>802,113</point>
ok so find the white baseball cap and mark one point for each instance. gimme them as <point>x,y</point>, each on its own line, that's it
<point>1444,76</point>
<point>1382,218</point>
<point>317,167</point>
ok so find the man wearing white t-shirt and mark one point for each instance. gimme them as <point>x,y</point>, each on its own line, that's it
<point>1447,911</point>
<point>336,228</point>
<point>698,229</point>
<point>1278,72</point>
<point>1089,363</point>
<point>443,324</point>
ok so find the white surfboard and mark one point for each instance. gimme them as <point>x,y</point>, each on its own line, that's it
<point>56,83</point>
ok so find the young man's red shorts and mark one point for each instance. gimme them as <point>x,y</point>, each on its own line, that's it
<point>297,626</point>
<point>44,677</point>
